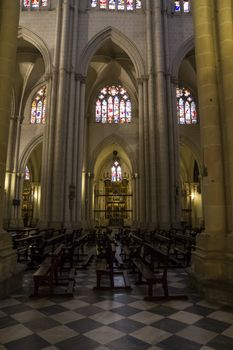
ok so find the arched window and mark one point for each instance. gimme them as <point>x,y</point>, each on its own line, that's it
<point>121,5</point>
<point>34,4</point>
<point>38,107</point>
<point>182,6</point>
<point>27,174</point>
<point>186,107</point>
<point>113,105</point>
<point>116,172</point>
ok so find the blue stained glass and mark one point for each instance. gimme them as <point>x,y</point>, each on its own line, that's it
<point>177,6</point>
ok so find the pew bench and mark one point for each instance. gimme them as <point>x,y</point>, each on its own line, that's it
<point>151,274</point>
<point>50,273</point>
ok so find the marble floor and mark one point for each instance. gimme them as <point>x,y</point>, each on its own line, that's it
<point>113,320</point>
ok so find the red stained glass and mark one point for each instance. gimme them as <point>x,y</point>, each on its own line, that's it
<point>103,4</point>
<point>35,3</point>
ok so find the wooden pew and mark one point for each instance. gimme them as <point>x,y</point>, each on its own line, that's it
<point>152,266</point>
<point>106,251</point>
<point>49,273</point>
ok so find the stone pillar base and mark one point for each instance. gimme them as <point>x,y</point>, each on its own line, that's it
<point>10,273</point>
<point>212,267</point>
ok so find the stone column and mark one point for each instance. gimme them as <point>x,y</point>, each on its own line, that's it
<point>161,120</point>
<point>224,17</point>
<point>72,117</point>
<point>213,186</point>
<point>147,152</point>
<point>172,126</point>
<point>141,153</point>
<point>80,176</point>
<point>59,161</point>
<point>174,145</point>
<point>225,25</point>
<point>209,256</point>
<point>151,118</point>
<point>48,162</point>
<point>9,19</point>
<point>78,79</point>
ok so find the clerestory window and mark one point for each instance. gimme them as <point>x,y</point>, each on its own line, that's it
<point>38,107</point>
<point>35,4</point>
<point>121,5</point>
<point>181,6</point>
<point>186,107</point>
<point>113,105</point>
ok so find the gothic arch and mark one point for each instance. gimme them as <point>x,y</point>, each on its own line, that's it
<point>35,40</point>
<point>108,141</point>
<point>27,152</point>
<point>119,39</point>
<point>186,142</point>
<point>182,51</point>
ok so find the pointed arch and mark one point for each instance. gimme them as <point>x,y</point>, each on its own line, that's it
<point>185,141</point>
<point>113,140</point>
<point>35,40</point>
<point>182,51</point>
<point>27,152</point>
<point>119,39</point>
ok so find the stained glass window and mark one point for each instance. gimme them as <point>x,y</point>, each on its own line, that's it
<point>186,6</point>
<point>94,3</point>
<point>138,4</point>
<point>112,4</point>
<point>38,107</point>
<point>103,4</point>
<point>116,172</point>
<point>128,5</point>
<point>182,6</point>
<point>121,4</point>
<point>113,105</point>
<point>186,107</point>
<point>26,3</point>
<point>27,174</point>
<point>35,4</point>
<point>177,6</point>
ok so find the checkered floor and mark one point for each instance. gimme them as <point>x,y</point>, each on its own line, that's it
<point>106,320</point>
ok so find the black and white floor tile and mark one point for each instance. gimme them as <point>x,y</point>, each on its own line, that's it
<point>107,320</point>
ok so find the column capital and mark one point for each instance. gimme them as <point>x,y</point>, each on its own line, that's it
<point>142,79</point>
<point>48,76</point>
<point>80,77</point>
<point>174,80</point>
